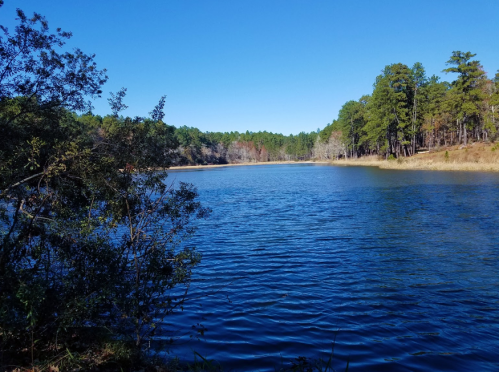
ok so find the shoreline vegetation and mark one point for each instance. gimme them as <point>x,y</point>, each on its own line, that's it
<point>406,114</point>
<point>209,166</point>
<point>477,157</point>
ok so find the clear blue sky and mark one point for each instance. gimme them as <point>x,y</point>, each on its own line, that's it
<point>284,66</point>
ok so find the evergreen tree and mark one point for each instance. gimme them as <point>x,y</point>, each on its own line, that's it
<point>389,119</point>
<point>419,80</point>
<point>466,90</point>
<point>351,122</point>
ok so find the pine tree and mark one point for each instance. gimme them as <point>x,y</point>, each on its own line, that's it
<point>466,89</point>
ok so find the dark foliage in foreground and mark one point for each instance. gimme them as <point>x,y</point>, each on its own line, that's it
<point>90,231</point>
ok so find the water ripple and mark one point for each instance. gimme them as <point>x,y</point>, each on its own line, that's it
<point>399,266</point>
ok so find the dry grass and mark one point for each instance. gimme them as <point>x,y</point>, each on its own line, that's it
<point>475,157</point>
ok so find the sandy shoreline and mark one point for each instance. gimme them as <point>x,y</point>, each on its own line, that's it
<point>478,157</point>
<point>187,167</point>
<point>405,164</point>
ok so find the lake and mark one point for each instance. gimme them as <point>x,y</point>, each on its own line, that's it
<point>400,267</point>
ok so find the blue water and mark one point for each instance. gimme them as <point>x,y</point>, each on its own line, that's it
<point>401,267</point>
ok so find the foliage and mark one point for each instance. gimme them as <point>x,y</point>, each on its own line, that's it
<point>389,110</point>
<point>408,110</point>
<point>197,147</point>
<point>42,78</point>
<point>350,123</point>
<point>466,89</point>
<point>90,230</point>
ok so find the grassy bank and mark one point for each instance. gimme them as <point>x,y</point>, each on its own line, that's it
<point>475,157</point>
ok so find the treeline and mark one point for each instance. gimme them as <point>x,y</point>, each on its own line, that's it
<point>406,111</point>
<point>194,147</point>
<point>234,147</point>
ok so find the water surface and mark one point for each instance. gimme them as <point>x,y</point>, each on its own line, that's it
<point>400,266</point>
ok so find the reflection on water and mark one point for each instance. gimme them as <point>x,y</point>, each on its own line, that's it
<point>400,266</point>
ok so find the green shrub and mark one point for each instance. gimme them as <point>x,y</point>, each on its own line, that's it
<point>90,230</point>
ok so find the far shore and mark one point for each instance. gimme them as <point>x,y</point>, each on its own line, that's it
<point>479,157</point>
<point>186,167</point>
